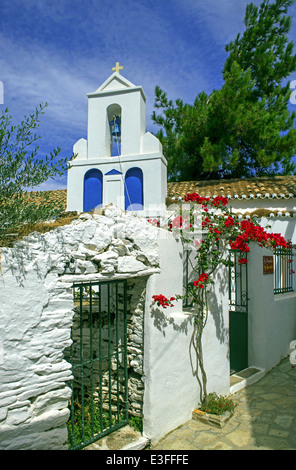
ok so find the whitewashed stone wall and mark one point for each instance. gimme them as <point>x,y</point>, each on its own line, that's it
<point>36,312</point>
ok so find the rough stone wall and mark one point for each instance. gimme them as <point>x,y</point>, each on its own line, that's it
<point>135,345</point>
<point>99,337</point>
<point>36,313</point>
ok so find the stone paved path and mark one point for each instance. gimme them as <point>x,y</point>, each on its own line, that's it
<point>265,419</point>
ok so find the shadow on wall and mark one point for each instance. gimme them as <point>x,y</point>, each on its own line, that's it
<point>37,255</point>
<point>216,326</point>
<point>216,305</point>
<point>162,320</point>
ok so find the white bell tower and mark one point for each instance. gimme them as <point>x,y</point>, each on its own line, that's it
<point>119,163</point>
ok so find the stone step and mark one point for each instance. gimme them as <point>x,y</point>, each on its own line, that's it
<point>125,438</point>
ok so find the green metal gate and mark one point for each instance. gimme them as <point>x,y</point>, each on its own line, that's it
<point>98,354</point>
<point>238,314</point>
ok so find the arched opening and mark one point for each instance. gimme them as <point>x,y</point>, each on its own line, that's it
<point>133,190</point>
<point>114,120</point>
<point>93,189</point>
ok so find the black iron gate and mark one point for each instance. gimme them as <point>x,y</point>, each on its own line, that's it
<point>98,354</point>
<point>238,313</point>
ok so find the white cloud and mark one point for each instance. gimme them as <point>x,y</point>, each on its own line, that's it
<point>218,20</point>
<point>59,51</point>
<point>51,185</point>
<point>34,76</point>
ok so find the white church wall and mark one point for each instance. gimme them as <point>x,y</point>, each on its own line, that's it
<point>97,137</point>
<point>286,226</point>
<point>81,149</point>
<point>243,205</point>
<point>75,187</point>
<point>133,121</point>
<point>150,144</point>
<point>154,188</point>
<point>216,335</point>
<point>137,149</point>
<point>283,213</point>
<point>172,385</point>
<point>272,320</point>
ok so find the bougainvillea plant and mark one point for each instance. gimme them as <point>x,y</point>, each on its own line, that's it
<point>209,225</point>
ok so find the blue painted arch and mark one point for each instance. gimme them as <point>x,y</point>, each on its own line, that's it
<point>92,189</point>
<point>133,190</point>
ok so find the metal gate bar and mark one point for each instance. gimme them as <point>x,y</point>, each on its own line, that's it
<point>283,270</point>
<point>238,313</point>
<point>238,283</point>
<point>101,306</point>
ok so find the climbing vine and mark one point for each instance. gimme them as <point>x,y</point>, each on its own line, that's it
<point>208,225</point>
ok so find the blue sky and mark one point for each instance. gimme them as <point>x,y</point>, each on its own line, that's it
<point>58,51</point>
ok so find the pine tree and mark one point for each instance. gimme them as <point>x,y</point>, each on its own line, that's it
<point>244,129</point>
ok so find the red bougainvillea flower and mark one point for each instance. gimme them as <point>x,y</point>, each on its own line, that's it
<point>154,222</point>
<point>218,223</point>
<point>240,244</point>
<point>162,301</point>
<point>178,221</point>
<point>198,243</point>
<point>206,222</point>
<point>277,240</point>
<point>229,221</point>
<point>201,280</point>
<point>259,235</point>
<point>196,198</point>
<point>217,201</point>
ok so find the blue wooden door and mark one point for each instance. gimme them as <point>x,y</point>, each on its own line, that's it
<point>133,190</point>
<point>93,189</point>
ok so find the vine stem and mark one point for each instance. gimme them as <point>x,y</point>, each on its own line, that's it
<point>200,322</point>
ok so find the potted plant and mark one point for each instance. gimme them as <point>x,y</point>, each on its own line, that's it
<point>215,410</point>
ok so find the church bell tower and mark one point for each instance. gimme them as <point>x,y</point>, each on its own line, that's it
<point>119,163</point>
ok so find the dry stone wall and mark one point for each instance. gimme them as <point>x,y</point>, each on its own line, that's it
<point>135,345</point>
<point>102,338</point>
<point>37,310</point>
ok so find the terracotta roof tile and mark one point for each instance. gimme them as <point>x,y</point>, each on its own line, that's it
<point>59,196</point>
<point>277,187</point>
<point>271,187</point>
